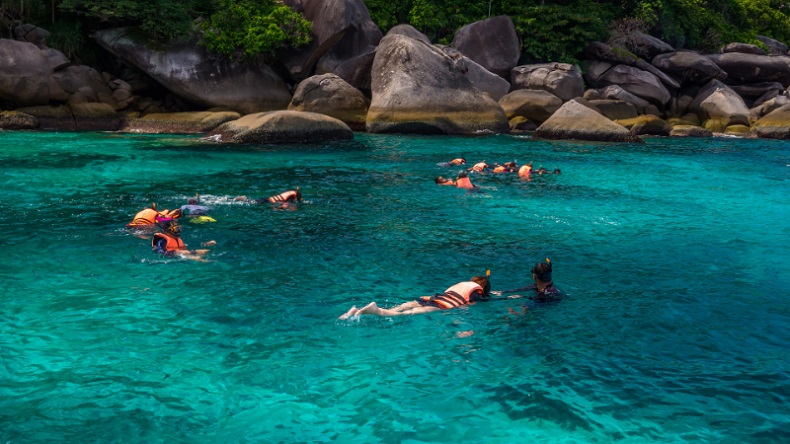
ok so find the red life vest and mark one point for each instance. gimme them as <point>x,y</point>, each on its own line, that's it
<point>173,243</point>
<point>288,196</point>
<point>457,295</point>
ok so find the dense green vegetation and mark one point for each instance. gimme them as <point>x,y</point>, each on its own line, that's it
<point>550,30</point>
<point>558,30</point>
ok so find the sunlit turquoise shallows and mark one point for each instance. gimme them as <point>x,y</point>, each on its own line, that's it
<point>675,255</point>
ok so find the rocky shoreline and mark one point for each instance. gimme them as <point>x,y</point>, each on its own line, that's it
<point>353,78</point>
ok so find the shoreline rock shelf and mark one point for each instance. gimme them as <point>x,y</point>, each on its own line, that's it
<point>353,78</point>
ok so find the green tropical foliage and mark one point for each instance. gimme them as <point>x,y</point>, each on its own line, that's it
<point>550,30</point>
<point>248,28</point>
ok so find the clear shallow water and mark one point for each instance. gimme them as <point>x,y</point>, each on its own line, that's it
<point>675,255</point>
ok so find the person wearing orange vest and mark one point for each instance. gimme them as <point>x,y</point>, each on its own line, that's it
<point>462,293</point>
<point>169,243</point>
<point>150,216</point>
<point>282,199</point>
<point>464,182</point>
<point>479,167</point>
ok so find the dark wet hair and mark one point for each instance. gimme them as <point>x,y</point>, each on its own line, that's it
<point>484,282</point>
<point>462,174</point>
<point>192,201</point>
<point>298,194</point>
<point>542,271</point>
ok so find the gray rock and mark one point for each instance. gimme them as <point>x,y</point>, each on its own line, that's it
<point>615,109</point>
<point>751,68</point>
<point>615,92</point>
<point>189,71</point>
<point>561,79</point>
<point>481,78</point>
<point>25,74</point>
<point>744,48</point>
<point>281,127</point>
<point>638,82</point>
<point>417,88</point>
<point>667,80</point>
<point>535,105</point>
<point>342,30</point>
<point>690,131</point>
<point>577,121</point>
<point>689,67</point>
<point>492,43</point>
<point>356,71</point>
<point>774,125</point>
<point>718,106</point>
<point>330,95</point>
<point>775,47</point>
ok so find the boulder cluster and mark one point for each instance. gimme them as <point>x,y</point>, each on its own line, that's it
<point>353,78</point>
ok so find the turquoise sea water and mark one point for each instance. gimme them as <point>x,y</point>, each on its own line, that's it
<point>675,254</point>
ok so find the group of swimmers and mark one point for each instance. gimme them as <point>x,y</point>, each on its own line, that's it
<point>524,172</point>
<point>166,239</point>
<point>477,289</point>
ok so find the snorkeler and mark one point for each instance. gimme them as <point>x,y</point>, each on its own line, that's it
<point>543,290</point>
<point>507,167</point>
<point>282,198</point>
<point>479,167</point>
<point>444,181</point>
<point>456,162</point>
<point>169,243</point>
<point>525,172</point>
<point>194,208</point>
<point>464,182</point>
<point>462,293</point>
<point>148,217</point>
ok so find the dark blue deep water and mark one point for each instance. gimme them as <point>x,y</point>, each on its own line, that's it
<point>675,254</point>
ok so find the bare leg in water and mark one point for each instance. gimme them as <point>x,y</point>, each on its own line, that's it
<point>408,308</point>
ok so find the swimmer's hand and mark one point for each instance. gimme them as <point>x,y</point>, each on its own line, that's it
<point>210,243</point>
<point>496,293</point>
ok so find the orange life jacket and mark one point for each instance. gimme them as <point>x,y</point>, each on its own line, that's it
<point>148,217</point>
<point>464,182</point>
<point>457,295</point>
<point>288,196</point>
<point>479,167</point>
<point>173,243</point>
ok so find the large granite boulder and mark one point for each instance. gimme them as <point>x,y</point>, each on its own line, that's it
<point>417,88</point>
<point>25,74</point>
<point>481,78</point>
<point>646,125</point>
<point>752,68</point>
<point>745,48</point>
<point>575,120</point>
<point>689,67</point>
<point>533,104</point>
<point>647,46</point>
<point>614,92</point>
<point>281,127</point>
<point>774,125</point>
<point>636,81</point>
<point>614,109</point>
<point>775,47</point>
<point>342,30</point>
<point>561,79</point>
<point>189,71</point>
<point>667,80</point>
<point>197,122</point>
<point>15,120</point>
<point>718,107</point>
<point>75,117</point>
<point>330,95</point>
<point>493,43</point>
<point>356,70</point>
